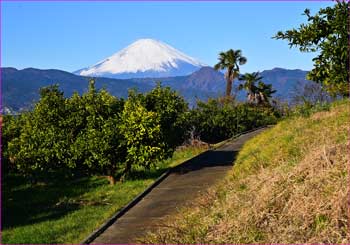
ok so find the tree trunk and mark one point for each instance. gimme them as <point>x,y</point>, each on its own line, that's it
<point>125,172</point>
<point>258,98</point>
<point>263,99</point>
<point>251,97</point>
<point>111,179</point>
<point>228,86</point>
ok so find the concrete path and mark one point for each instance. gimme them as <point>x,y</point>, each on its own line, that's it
<point>183,184</point>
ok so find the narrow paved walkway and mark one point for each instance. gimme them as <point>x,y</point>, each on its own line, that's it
<point>183,184</point>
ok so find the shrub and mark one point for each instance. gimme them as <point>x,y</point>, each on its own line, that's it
<point>10,129</point>
<point>95,133</point>
<point>172,111</point>
<point>96,143</point>
<point>99,134</point>
<point>142,133</point>
<point>218,120</point>
<point>306,109</point>
<point>41,144</point>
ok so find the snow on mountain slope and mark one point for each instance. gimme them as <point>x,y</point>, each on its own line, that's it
<point>144,58</point>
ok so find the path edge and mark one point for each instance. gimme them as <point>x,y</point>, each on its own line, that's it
<point>139,197</point>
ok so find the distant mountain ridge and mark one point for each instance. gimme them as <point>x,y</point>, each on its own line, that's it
<point>144,58</point>
<point>285,81</point>
<point>20,88</point>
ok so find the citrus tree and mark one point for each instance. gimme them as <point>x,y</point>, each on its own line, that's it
<point>327,33</point>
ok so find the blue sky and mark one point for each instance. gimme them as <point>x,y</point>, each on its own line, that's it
<point>73,35</point>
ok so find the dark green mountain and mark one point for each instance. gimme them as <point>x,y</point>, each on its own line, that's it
<point>20,87</point>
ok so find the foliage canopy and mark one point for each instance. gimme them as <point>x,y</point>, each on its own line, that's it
<point>326,32</point>
<point>98,134</point>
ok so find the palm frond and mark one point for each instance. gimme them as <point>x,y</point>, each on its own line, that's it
<point>217,66</point>
<point>242,78</point>
<point>242,60</point>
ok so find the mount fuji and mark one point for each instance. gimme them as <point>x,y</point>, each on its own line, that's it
<point>144,58</point>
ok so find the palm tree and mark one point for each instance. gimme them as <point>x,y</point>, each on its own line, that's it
<point>265,92</point>
<point>259,94</point>
<point>249,85</point>
<point>230,60</point>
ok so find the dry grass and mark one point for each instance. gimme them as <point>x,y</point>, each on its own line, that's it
<point>289,185</point>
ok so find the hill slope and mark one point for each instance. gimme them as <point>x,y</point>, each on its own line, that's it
<point>288,185</point>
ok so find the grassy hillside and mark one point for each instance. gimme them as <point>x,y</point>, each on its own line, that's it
<point>290,184</point>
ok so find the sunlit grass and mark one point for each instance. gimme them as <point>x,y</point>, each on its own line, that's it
<point>68,211</point>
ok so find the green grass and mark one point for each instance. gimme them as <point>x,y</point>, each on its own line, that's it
<point>289,184</point>
<point>68,211</point>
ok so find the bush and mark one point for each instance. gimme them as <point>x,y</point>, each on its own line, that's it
<point>142,133</point>
<point>172,112</point>
<point>306,109</point>
<point>41,144</point>
<point>96,142</point>
<point>99,134</point>
<point>218,120</point>
<point>11,127</point>
<point>95,133</point>
<point>80,134</point>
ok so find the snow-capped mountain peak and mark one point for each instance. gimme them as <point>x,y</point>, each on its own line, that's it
<point>144,58</point>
